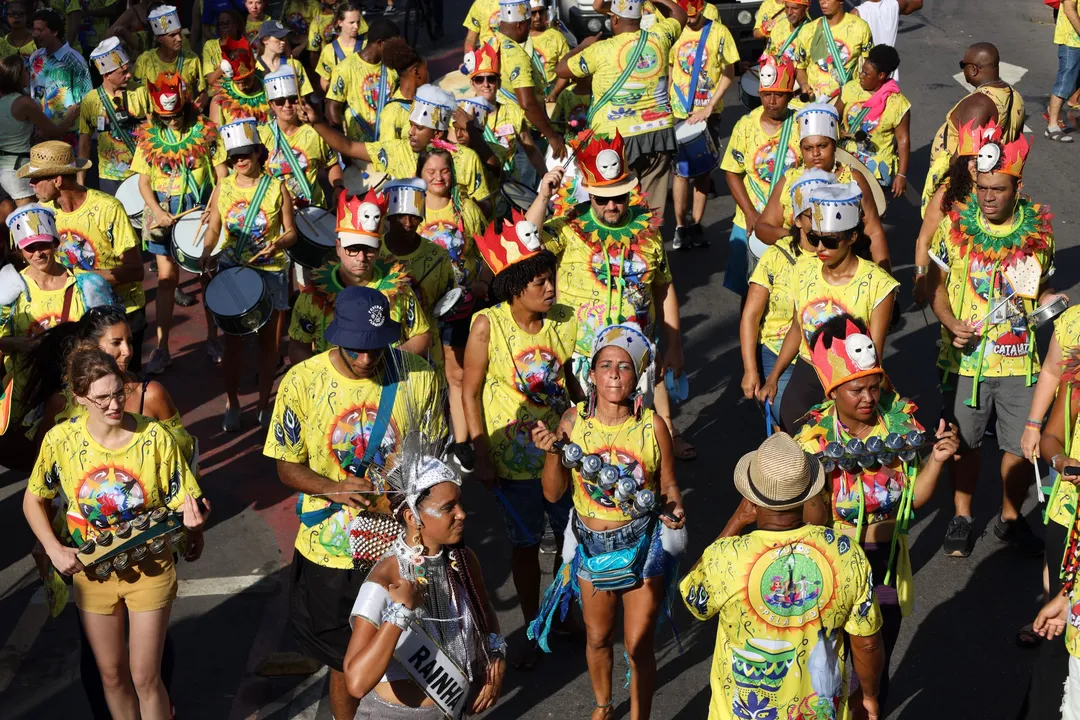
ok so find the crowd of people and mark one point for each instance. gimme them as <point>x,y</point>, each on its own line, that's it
<point>474,288</point>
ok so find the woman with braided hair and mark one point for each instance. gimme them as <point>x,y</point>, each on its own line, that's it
<point>428,587</point>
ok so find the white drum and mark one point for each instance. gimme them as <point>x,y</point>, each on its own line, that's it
<point>757,247</point>
<point>552,163</point>
<point>358,178</point>
<point>188,238</point>
<point>129,196</point>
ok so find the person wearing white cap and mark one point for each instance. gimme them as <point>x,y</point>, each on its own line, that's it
<point>55,65</point>
<point>111,114</point>
<point>426,263</point>
<point>255,212</point>
<point>819,126</point>
<point>522,74</point>
<point>296,152</point>
<point>429,123</point>
<point>631,96</point>
<point>359,87</point>
<point>169,56</point>
<point>832,281</point>
<point>549,46</point>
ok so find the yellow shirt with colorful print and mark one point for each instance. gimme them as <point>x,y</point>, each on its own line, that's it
<point>148,66</point>
<point>8,48</point>
<point>571,112</point>
<point>358,86</point>
<point>853,40</point>
<point>550,47</point>
<point>328,60</point>
<point>322,28</point>
<point>720,52</point>
<point>311,154</point>
<point>779,596</point>
<point>768,14</point>
<point>233,204</point>
<point>878,152</point>
<point>104,487</point>
<point>751,152</point>
<point>179,164</point>
<point>773,272</point>
<point>1064,32</point>
<point>783,37</point>
<point>114,157</point>
<point>453,230</point>
<point>323,421</point>
<point>630,447</point>
<point>483,19</point>
<point>398,159</point>
<point>93,29</point>
<point>431,275</point>
<point>519,69</point>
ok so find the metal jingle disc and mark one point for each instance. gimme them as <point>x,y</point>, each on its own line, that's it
<point>916,439</point>
<point>88,547</point>
<point>834,450</point>
<point>572,455</point>
<point>590,466</point>
<point>874,445</point>
<point>847,464</point>
<point>886,458</point>
<point>159,514</point>
<point>867,461</point>
<point>122,561</point>
<point>828,465</point>
<point>608,477</point>
<point>123,530</point>
<point>139,553</point>
<point>141,522</point>
<point>104,539</point>
<point>894,441</point>
<point>157,544</point>
<point>855,446</point>
<point>907,455</point>
<point>103,569</point>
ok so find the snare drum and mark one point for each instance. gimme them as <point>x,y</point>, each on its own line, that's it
<point>316,230</point>
<point>749,85</point>
<point>358,178</point>
<point>239,300</point>
<point>517,195</point>
<point>129,196</point>
<point>188,236</point>
<point>697,150</point>
<point>757,247</point>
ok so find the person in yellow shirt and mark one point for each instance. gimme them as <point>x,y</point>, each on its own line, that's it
<point>297,16</point>
<point>780,42</point>
<point>239,92</point>
<point>112,113</point>
<point>170,56</point>
<point>481,23</point>
<point>347,19</point>
<point>629,71</point>
<point>359,87</point>
<point>549,45</point>
<point>412,74</point>
<point>360,226</point>
<point>230,26</point>
<point>18,41</point>
<point>296,153</point>
<point>702,69</point>
<point>89,21</point>
<point>829,51</point>
<point>766,17</point>
<point>256,17</point>
<point>571,112</point>
<point>256,214</point>
<point>271,47</point>
<point>754,163</point>
<point>323,28</point>
<point>516,356</point>
<point>337,414</point>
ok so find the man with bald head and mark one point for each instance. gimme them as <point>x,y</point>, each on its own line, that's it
<point>992,99</point>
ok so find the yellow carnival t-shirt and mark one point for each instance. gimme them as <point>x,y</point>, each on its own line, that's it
<point>105,487</point>
<point>878,152</point>
<point>322,29</point>
<point>233,205</point>
<point>314,309</point>
<point>853,40</point>
<point>298,14</point>
<point>114,156</point>
<point>720,52</point>
<point>311,154</point>
<point>394,119</point>
<point>630,447</point>
<point>187,64</point>
<point>816,301</point>
<point>550,47</point>
<point>95,237</point>
<point>211,56</point>
<point>779,595</point>
<point>167,178</point>
<point>525,383</point>
<point>768,13</point>
<point>1061,506</point>
<point>751,152</point>
<point>641,105</point>
<point>398,159</point>
<point>519,69</point>
<point>502,129</point>
<point>93,29</point>
<point>783,37</point>
<point>323,420</point>
<point>8,48</point>
<point>608,274</point>
<point>773,272</point>
<point>453,230</point>
<point>358,85</point>
<point>571,112</point>
<point>483,19</point>
<point>1064,32</point>
<point>328,57</point>
<point>431,275</point>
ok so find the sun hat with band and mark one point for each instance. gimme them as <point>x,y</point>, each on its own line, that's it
<point>631,340</point>
<point>52,158</point>
<point>779,475</point>
<point>602,163</point>
<point>362,320</point>
<point>361,220</point>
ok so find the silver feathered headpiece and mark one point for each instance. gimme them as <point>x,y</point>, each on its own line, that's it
<point>417,467</point>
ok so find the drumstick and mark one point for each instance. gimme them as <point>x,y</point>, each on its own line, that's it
<point>187,212</point>
<point>570,155</point>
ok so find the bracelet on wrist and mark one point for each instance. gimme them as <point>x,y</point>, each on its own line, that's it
<point>901,175</point>
<point>497,645</point>
<point>1034,424</point>
<point>921,270</point>
<point>399,615</point>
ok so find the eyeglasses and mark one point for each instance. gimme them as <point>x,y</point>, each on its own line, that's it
<point>35,180</point>
<point>828,242</point>
<point>104,402</point>
<point>281,102</point>
<point>485,80</point>
<point>964,64</point>
<point>354,250</point>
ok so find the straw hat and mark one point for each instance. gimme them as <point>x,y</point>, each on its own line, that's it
<point>779,475</point>
<point>52,158</point>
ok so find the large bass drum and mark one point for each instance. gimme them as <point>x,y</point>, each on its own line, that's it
<point>239,300</point>
<point>188,238</point>
<point>316,230</point>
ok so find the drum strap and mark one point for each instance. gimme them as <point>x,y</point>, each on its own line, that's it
<point>114,125</point>
<point>779,164</point>
<point>365,126</point>
<point>251,216</point>
<point>695,73</point>
<point>537,63</point>
<point>286,149</point>
<point>339,54</point>
<point>631,63</point>
<point>838,61</point>
<point>857,121</point>
<point>791,38</point>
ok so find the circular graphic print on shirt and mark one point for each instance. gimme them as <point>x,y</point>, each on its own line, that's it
<point>76,251</point>
<point>234,223</point>
<point>446,235</point>
<point>108,492</point>
<point>348,437</point>
<point>790,584</point>
<point>537,374</point>
<point>816,313</point>
<point>685,56</point>
<point>765,161</point>
<point>648,65</point>
<point>634,269</point>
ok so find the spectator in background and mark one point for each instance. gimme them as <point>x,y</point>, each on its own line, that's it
<point>18,40</point>
<point>883,17</point>
<point>59,76</point>
<point>1067,39</point>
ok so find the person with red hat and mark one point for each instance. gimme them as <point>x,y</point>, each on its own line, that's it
<point>239,93</point>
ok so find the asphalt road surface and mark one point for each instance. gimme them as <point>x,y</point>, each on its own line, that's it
<point>956,656</point>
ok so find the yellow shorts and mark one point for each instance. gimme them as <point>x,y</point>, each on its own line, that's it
<point>147,585</point>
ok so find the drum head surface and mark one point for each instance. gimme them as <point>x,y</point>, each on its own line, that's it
<point>757,247</point>
<point>686,131</point>
<point>189,235</point>
<point>234,291</point>
<point>750,83</point>
<point>317,225</point>
<point>520,196</point>
<point>447,302</point>
<point>129,196</point>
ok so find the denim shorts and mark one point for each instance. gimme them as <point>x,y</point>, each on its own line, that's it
<point>1068,70</point>
<point>455,333</point>
<point>593,543</point>
<point>277,282</point>
<point>527,499</point>
<point>737,274</point>
<point>768,362</point>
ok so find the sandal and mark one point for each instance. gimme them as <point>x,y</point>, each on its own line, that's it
<point>1058,135</point>
<point>682,449</point>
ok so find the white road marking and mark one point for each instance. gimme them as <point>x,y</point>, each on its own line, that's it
<point>297,693</point>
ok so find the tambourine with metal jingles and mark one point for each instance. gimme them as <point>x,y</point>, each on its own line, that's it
<point>129,542</point>
<point>1048,311</point>
<point>875,452</point>
<point>632,500</point>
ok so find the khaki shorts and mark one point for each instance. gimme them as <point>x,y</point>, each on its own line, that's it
<point>146,586</point>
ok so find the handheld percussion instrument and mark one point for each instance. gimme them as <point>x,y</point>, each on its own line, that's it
<point>631,499</point>
<point>1048,311</point>
<point>129,542</point>
<point>874,452</point>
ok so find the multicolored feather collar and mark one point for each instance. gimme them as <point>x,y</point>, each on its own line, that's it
<point>188,149</point>
<point>1029,234</point>
<point>237,105</point>
<point>640,221</point>
<point>388,278</point>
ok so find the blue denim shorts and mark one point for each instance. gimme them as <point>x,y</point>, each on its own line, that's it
<point>527,499</point>
<point>1068,70</point>
<point>593,543</point>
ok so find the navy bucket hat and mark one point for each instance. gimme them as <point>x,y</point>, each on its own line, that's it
<point>362,321</point>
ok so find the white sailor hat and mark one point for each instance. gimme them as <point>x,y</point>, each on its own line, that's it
<point>241,137</point>
<point>109,55</point>
<point>478,107</point>
<point>406,197</point>
<point>800,189</point>
<point>818,119</point>
<point>835,208</point>
<point>432,107</point>
<point>281,83</point>
<point>32,223</point>
<point>512,11</point>
<point>629,9</point>
<point>164,19</point>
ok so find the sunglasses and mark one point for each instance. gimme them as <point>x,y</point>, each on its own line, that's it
<point>39,247</point>
<point>485,80</point>
<point>826,241</point>
<point>964,64</point>
<point>354,250</point>
<point>617,199</point>
<point>35,180</point>
<point>282,102</point>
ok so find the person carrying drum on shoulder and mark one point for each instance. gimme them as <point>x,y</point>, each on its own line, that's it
<point>988,357</point>
<point>359,87</point>
<point>830,50</point>
<point>703,63</point>
<point>256,214</point>
<point>173,158</point>
<point>169,56</point>
<point>94,229</point>
<point>819,124</point>
<point>753,164</point>
<point>780,42</point>
<point>239,92</point>
<point>336,414</point>
<point>110,114</point>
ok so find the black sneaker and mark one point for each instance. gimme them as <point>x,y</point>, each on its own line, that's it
<point>681,240</point>
<point>183,299</point>
<point>697,236</point>
<point>1018,534</point>
<point>958,539</point>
